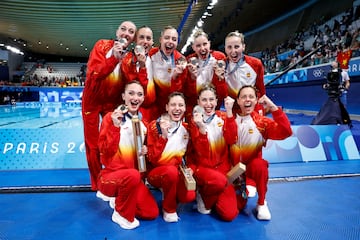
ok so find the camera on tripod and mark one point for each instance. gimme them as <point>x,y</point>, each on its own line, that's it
<point>334,85</point>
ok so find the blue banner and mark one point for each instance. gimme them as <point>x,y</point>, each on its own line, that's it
<point>64,148</point>
<point>313,143</point>
<point>313,73</point>
<point>42,149</point>
<point>354,67</point>
<point>70,94</point>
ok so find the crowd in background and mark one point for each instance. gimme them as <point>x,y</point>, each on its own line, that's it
<point>339,32</point>
<point>333,34</point>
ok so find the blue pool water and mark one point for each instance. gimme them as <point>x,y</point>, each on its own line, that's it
<point>41,115</point>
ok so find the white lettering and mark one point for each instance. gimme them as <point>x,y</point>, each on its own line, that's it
<point>38,148</point>
<point>71,147</point>
<point>54,147</point>
<point>45,147</point>
<point>353,68</point>
<point>21,147</point>
<point>34,148</point>
<point>8,147</point>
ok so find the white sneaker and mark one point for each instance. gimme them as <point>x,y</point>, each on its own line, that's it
<point>263,212</point>
<point>251,190</point>
<point>112,203</point>
<point>200,205</point>
<point>123,222</point>
<point>102,196</point>
<point>170,217</point>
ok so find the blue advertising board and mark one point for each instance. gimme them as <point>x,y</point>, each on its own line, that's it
<point>64,148</point>
<point>313,143</point>
<point>313,73</point>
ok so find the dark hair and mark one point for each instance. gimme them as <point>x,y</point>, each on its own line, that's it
<point>174,94</point>
<point>134,81</point>
<point>137,31</point>
<point>248,86</point>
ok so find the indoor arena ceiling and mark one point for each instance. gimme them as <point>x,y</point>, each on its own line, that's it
<point>70,28</point>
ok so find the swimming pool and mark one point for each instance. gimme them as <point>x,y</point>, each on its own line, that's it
<point>30,115</point>
<point>38,135</point>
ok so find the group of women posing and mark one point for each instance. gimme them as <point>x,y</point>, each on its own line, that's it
<point>163,87</point>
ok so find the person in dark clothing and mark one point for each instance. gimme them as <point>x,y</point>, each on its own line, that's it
<point>333,111</point>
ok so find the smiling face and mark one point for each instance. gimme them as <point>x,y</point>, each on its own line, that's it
<point>133,96</point>
<point>176,107</point>
<point>169,41</point>
<point>144,37</point>
<point>126,30</point>
<point>208,101</point>
<point>234,48</point>
<point>201,46</point>
<point>247,100</point>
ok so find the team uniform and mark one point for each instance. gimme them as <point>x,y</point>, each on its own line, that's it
<point>120,177</point>
<point>131,71</point>
<point>205,75</point>
<point>247,71</point>
<point>343,58</point>
<point>101,95</point>
<point>247,135</point>
<point>210,165</point>
<point>163,69</point>
<point>165,157</point>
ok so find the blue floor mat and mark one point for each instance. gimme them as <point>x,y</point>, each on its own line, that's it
<point>317,209</point>
<point>80,177</point>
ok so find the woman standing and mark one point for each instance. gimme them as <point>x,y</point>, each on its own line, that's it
<point>169,69</point>
<point>205,66</point>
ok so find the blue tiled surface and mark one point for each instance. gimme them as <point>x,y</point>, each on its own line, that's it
<point>316,209</point>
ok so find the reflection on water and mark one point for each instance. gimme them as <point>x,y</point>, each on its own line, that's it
<point>40,115</point>
<point>44,110</point>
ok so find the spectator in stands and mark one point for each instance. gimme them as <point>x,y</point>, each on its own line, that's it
<point>102,90</point>
<point>317,58</point>
<point>120,177</point>
<point>49,69</point>
<point>342,32</point>
<point>247,132</point>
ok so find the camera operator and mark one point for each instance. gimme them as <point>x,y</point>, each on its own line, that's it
<point>334,84</point>
<point>333,111</point>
